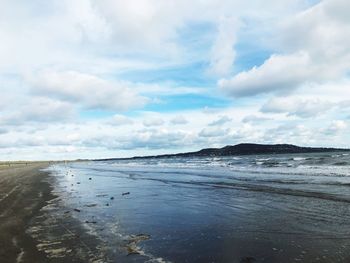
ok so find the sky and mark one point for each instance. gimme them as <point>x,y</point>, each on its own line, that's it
<point>116,78</point>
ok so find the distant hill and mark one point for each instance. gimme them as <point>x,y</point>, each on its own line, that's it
<point>242,149</point>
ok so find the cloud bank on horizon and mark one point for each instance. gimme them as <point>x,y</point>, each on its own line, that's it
<point>96,79</point>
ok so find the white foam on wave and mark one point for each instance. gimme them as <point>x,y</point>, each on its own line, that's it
<point>299,158</point>
<point>263,159</point>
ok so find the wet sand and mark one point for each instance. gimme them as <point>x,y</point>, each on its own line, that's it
<point>24,192</point>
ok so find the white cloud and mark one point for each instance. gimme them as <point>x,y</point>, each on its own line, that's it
<point>254,119</point>
<point>119,120</point>
<point>40,110</point>
<point>213,132</point>
<point>335,127</point>
<point>313,48</point>
<point>223,53</point>
<point>98,35</point>
<point>320,31</point>
<point>280,73</point>
<point>82,60</point>
<point>153,121</point>
<point>220,121</point>
<point>297,106</point>
<point>152,139</point>
<point>90,91</point>
<point>100,138</point>
<point>291,132</point>
<point>178,120</point>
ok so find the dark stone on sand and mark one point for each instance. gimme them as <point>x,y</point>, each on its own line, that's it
<point>102,195</point>
<point>131,245</point>
<point>132,251</point>
<point>90,222</point>
<point>90,178</point>
<point>248,260</point>
<point>91,205</point>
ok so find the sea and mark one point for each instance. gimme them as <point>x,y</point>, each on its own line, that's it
<point>253,208</point>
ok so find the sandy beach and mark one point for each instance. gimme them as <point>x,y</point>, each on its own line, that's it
<point>24,193</point>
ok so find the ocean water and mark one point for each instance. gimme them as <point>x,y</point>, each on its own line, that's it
<point>258,208</point>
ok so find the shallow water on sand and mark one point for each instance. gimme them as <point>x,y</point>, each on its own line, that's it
<point>266,208</point>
